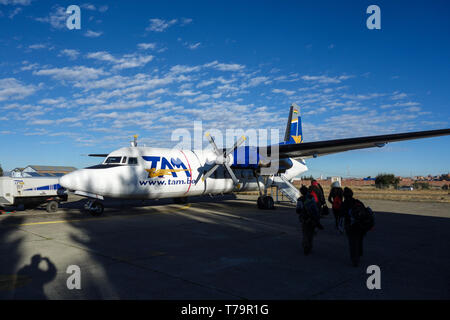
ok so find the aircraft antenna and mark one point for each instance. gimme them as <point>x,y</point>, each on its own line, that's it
<point>134,142</point>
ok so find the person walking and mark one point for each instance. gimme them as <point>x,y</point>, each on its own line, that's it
<point>358,220</point>
<point>309,217</point>
<point>336,198</point>
<point>317,191</point>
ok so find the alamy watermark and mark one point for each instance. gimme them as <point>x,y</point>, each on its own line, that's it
<point>74,280</point>
<point>74,20</point>
<point>374,280</point>
<point>374,20</point>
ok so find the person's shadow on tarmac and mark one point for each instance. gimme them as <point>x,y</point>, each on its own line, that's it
<point>38,277</point>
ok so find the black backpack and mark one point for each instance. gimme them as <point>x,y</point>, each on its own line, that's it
<point>362,216</point>
<point>307,208</point>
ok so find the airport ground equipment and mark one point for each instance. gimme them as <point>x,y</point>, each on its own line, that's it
<point>31,192</point>
<point>286,188</point>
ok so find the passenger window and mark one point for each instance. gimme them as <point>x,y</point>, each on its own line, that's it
<point>132,161</point>
<point>124,160</point>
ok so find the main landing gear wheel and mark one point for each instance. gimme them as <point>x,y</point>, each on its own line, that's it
<point>266,203</point>
<point>95,208</point>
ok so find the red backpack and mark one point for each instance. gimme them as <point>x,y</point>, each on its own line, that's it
<point>337,203</point>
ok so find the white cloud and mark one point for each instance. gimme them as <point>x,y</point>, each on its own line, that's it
<point>15,2</point>
<point>157,92</point>
<point>91,7</point>
<point>37,46</point>
<point>400,104</point>
<point>89,100</point>
<point>41,122</point>
<point>201,97</point>
<point>413,109</point>
<point>398,96</point>
<point>102,55</point>
<point>88,6</point>
<point>183,69</point>
<point>15,12</point>
<point>71,53</point>
<point>72,73</point>
<point>28,66</point>
<point>186,21</point>
<point>93,34</point>
<point>205,83</point>
<point>146,46</point>
<point>126,85</point>
<point>160,25</point>
<point>325,79</point>
<point>362,96</point>
<point>225,66</point>
<point>284,91</point>
<point>13,89</point>
<point>193,46</point>
<point>290,78</point>
<point>52,101</point>
<point>187,93</point>
<point>57,18</point>
<point>125,62</point>
<point>257,81</point>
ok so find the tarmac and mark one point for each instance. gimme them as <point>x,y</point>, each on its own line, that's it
<point>219,248</point>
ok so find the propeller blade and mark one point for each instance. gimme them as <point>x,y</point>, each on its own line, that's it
<point>210,172</point>
<point>236,144</point>
<point>211,141</point>
<point>233,177</point>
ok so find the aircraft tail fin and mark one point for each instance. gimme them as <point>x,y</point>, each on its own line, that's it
<point>294,126</point>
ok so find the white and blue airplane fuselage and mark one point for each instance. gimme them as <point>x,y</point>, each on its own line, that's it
<point>156,173</point>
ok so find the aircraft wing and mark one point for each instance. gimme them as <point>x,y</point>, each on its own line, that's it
<point>320,148</point>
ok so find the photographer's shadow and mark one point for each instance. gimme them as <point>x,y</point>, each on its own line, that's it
<point>37,277</point>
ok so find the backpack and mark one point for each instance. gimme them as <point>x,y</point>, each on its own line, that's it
<point>317,192</point>
<point>300,205</point>
<point>337,203</point>
<point>310,208</point>
<point>362,216</point>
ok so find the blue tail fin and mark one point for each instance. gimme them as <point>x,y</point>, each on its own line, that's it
<point>294,126</point>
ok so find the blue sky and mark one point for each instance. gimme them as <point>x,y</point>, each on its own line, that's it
<point>150,67</point>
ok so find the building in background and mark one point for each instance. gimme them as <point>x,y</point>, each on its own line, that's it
<point>41,171</point>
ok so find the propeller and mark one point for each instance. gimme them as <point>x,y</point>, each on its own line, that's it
<point>223,158</point>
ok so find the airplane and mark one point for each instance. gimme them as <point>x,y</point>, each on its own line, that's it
<point>137,172</point>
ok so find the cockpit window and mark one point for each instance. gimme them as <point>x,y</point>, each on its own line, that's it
<point>132,161</point>
<point>113,160</point>
<point>124,160</point>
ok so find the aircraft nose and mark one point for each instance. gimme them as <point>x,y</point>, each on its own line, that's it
<point>68,181</point>
<point>87,180</point>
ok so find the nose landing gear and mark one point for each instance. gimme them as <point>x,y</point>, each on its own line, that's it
<point>94,207</point>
